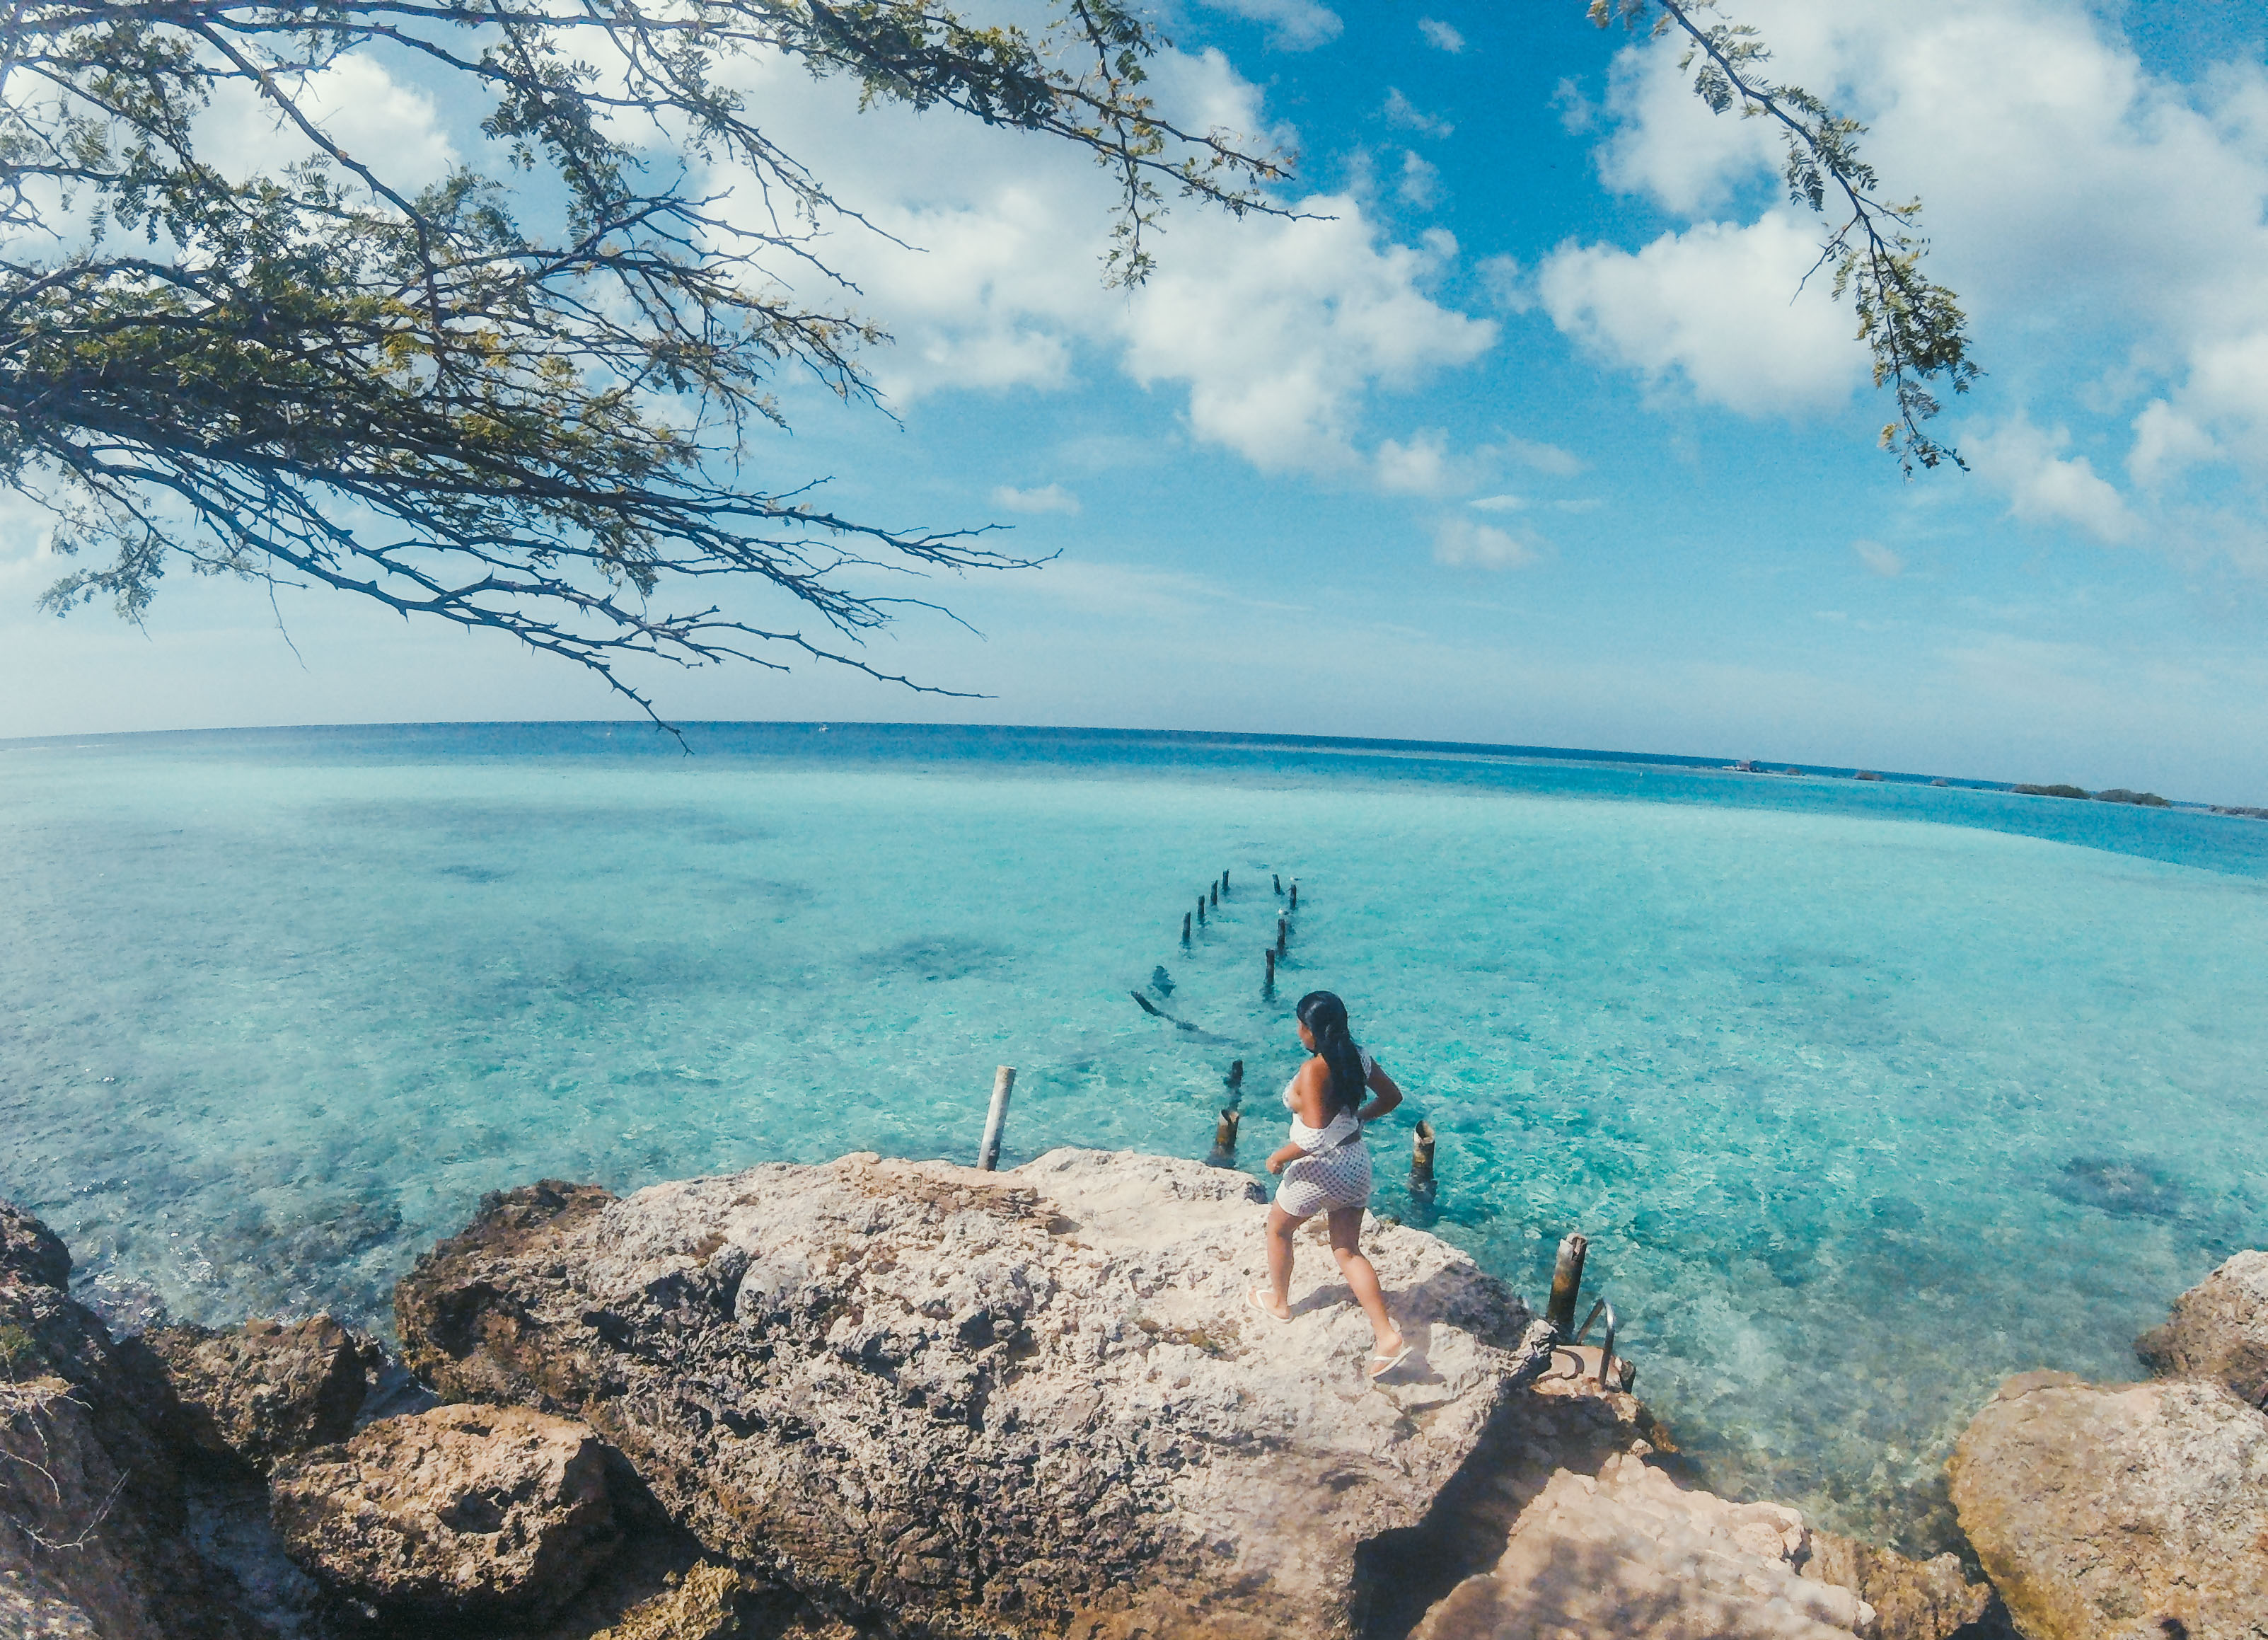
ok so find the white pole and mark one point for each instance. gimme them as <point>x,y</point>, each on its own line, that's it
<point>1004,1083</point>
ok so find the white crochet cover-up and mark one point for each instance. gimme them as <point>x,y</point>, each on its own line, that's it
<point>1335,1170</point>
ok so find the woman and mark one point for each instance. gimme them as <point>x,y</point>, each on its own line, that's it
<point>1326,1169</point>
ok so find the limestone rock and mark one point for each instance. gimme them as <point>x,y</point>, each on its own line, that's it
<point>265,1391</point>
<point>1912,1599</point>
<point>93,1520</point>
<point>702,1605</point>
<point>1029,1402</point>
<point>1632,1556</point>
<point>2119,1513</point>
<point>2219,1330</point>
<point>462,1512</point>
<point>30,1251</point>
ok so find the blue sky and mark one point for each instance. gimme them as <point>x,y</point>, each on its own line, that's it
<point>1534,440</point>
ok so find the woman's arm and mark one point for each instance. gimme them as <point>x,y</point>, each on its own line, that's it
<point>1285,1157</point>
<point>1386,1095</point>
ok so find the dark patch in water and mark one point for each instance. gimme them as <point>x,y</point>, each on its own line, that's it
<point>2124,1186</point>
<point>475,874</point>
<point>1160,981</point>
<point>940,957</point>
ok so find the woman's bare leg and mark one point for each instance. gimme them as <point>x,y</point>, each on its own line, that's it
<point>1280,1228</point>
<point>1361,1280</point>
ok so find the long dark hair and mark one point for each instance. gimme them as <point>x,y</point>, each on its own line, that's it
<point>1323,1013</point>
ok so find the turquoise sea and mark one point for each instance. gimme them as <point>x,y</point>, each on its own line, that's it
<point>1866,1094</point>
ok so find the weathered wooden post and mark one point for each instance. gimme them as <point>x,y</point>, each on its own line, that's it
<point>1278,878</point>
<point>1224,1137</point>
<point>1215,893</point>
<point>996,1119</point>
<point>1421,1159</point>
<point>1566,1283</point>
<point>1236,1076</point>
<point>1224,881</point>
<point>1269,983</point>
<point>1200,911</point>
<point>1185,928</point>
<point>1283,932</point>
<point>1295,894</point>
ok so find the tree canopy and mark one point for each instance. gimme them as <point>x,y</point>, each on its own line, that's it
<point>525,399</point>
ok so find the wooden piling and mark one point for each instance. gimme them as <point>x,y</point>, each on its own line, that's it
<point>1295,894</point>
<point>1421,1159</point>
<point>1185,928</point>
<point>1566,1283</point>
<point>1224,882</point>
<point>996,1119</point>
<point>1200,911</point>
<point>1224,1137</point>
<point>1283,932</point>
<point>1215,893</point>
<point>1235,1075</point>
<point>1269,953</point>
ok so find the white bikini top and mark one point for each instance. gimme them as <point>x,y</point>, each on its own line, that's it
<point>1344,1129</point>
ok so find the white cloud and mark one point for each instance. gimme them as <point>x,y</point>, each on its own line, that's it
<point>2041,486</point>
<point>1577,113</point>
<point>1279,327</point>
<point>2069,192</point>
<point>1461,543</point>
<point>1399,110</point>
<point>1421,466</point>
<point>1293,24</point>
<point>1878,558</point>
<point>1419,185</point>
<point>393,129</point>
<point>1049,498</point>
<point>1441,36</point>
<point>1717,306</point>
<point>1498,503</point>
<point>1279,331</point>
<point>1510,287</point>
<point>1540,458</point>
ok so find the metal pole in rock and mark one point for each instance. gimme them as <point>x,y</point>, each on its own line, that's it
<point>1421,1159</point>
<point>1566,1281</point>
<point>996,1119</point>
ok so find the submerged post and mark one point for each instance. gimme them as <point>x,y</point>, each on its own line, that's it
<point>1200,911</point>
<point>996,1119</point>
<point>1224,881</point>
<point>1270,982</point>
<point>1283,932</point>
<point>1421,1159</point>
<point>1566,1283</point>
<point>1215,893</point>
<point>1295,894</point>
<point>1224,1137</point>
<point>1235,1075</point>
<point>1185,928</point>
<point>1278,878</point>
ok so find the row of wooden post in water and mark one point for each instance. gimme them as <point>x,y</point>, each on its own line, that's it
<point>1567,1268</point>
<point>1269,954</point>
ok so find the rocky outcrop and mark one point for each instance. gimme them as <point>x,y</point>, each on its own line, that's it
<point>92,1520</point>
<point>2219,1330</point>
<point>2119,1513</point>
<point>265,1390</point>
<point>960,1402</point>
<point>459,1512</point>
<point>1631,1555</point>
<point>1929,1599</point>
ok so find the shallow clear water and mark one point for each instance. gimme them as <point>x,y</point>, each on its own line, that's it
<point>1866,1094</point>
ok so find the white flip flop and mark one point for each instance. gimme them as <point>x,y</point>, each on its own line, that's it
<point>1252,1298</point>
<point>1380,1366</point>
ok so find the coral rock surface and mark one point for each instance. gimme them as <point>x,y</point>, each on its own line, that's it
<point>2219,1330</point>
<point>2119,1513</point>
<point>1034,1401</point>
